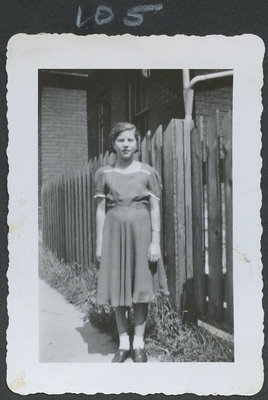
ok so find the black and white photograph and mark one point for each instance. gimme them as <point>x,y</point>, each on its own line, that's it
<point>139,248</point>
<point>135,197</point>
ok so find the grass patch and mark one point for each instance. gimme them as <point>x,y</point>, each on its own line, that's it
<point>166,337</point>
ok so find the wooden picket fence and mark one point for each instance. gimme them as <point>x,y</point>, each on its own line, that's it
<point>211,148</point>
<point>196,204</point>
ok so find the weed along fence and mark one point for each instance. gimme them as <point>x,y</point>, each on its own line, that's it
<point>196,212</point>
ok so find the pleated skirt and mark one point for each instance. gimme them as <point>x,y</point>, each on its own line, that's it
<point>125,275</point>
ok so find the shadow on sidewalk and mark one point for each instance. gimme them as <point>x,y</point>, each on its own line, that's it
<point>97,342</point>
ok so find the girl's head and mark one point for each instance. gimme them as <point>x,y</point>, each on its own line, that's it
<point>120,127</point>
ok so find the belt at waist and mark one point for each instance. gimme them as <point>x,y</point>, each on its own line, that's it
<point>133,205</point>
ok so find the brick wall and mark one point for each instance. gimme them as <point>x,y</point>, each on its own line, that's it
<point>63,133</point>
<point>213,95</point>
<point>209,101</point>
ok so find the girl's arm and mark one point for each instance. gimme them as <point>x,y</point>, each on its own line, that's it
<point>100,217</point>
<point>154,251</point>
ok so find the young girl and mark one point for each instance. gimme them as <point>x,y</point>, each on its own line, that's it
<point>128,239</point>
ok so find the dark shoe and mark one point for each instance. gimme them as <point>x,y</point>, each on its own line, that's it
<point>139,355</point>
<point>121,356</point>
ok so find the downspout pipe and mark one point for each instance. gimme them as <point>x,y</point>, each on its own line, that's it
<point>188,88</point>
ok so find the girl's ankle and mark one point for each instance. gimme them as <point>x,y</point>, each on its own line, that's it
<point>124,342</point>
<point>138,342</point>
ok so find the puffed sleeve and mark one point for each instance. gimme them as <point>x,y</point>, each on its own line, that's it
<point>99,183</point>
<point>154,184</point>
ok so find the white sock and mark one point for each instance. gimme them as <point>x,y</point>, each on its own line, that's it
<point>124,342</point>
<point>138,342</point>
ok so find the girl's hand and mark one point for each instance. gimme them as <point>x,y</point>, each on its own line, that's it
<point>154,252</point>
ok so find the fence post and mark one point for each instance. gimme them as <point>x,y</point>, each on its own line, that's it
<point>174,218</point>
<point>70,219</point>
<point>157,163</point>
<point>43,214</point>
<point>72,204</point>
<point>156,149</point>
<point>93,210</point>
<point>84,216</point>
<point>227,146</point>
<point>65,199</point>
<point>89,208</point>
<point>189,314</point>
<point>198,220</point>
<point>145,148</point>
<point>215,305</point>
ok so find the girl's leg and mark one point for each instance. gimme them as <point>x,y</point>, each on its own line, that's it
<point>122,326</point>
<point>140,317</point>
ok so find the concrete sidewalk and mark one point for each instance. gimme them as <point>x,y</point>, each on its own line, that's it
<point>65,337</point>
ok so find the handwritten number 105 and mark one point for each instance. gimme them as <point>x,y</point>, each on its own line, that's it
<point>105,14</point>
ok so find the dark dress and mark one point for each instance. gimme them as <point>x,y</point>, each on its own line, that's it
<point>125,275</point>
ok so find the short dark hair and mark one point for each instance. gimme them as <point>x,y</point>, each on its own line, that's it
<point>120,127</point>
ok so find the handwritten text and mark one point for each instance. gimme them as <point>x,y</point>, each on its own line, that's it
<point>104,15</point>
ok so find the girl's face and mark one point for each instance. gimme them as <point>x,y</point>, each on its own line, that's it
<point>125,145</point>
